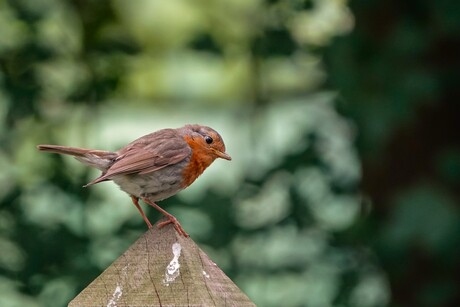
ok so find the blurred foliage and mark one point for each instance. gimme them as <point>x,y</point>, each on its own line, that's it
<point>397,74</point>
<point>313,108</point>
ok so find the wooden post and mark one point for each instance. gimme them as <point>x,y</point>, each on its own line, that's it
<point>162,268</point>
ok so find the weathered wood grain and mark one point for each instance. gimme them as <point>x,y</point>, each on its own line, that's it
<point>162,268</point>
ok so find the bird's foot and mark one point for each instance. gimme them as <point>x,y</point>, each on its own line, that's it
<point>170,217</point>
<point>175,222</point>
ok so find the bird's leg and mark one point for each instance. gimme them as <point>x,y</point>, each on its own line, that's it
<point>136,203</point>
<point>171,218</point>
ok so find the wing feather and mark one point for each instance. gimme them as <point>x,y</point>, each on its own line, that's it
<point>148,154</point>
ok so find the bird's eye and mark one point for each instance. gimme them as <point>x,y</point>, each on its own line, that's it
<point>208,139</point>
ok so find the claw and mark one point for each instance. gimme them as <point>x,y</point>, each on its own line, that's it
<point>176,224</point>
<point>171,218</point>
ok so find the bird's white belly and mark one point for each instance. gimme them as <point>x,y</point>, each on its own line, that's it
<point>128,185</point>
<point>156,186</point>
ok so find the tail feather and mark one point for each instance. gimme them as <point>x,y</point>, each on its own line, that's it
<point>65,150</point>
<point>99,159</point>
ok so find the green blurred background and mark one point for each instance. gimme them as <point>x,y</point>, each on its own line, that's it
<point>342,119</point>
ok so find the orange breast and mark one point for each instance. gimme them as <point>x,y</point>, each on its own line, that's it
<point>199,161</point>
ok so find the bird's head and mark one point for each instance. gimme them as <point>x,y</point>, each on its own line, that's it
<point>207,140</point>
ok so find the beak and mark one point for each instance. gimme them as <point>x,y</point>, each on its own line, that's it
<point>222,155</point>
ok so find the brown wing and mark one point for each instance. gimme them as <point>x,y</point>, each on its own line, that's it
<point>148,154</point>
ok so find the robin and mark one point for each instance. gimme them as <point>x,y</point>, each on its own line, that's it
<point>155,166</point>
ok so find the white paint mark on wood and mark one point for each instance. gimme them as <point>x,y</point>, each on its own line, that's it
<point>115,296</point>
<point>172,270</point>
<point>124,270</point>
<point>205,274</point>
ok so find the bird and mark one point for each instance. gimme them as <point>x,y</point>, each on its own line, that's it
<point>155,166</point>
